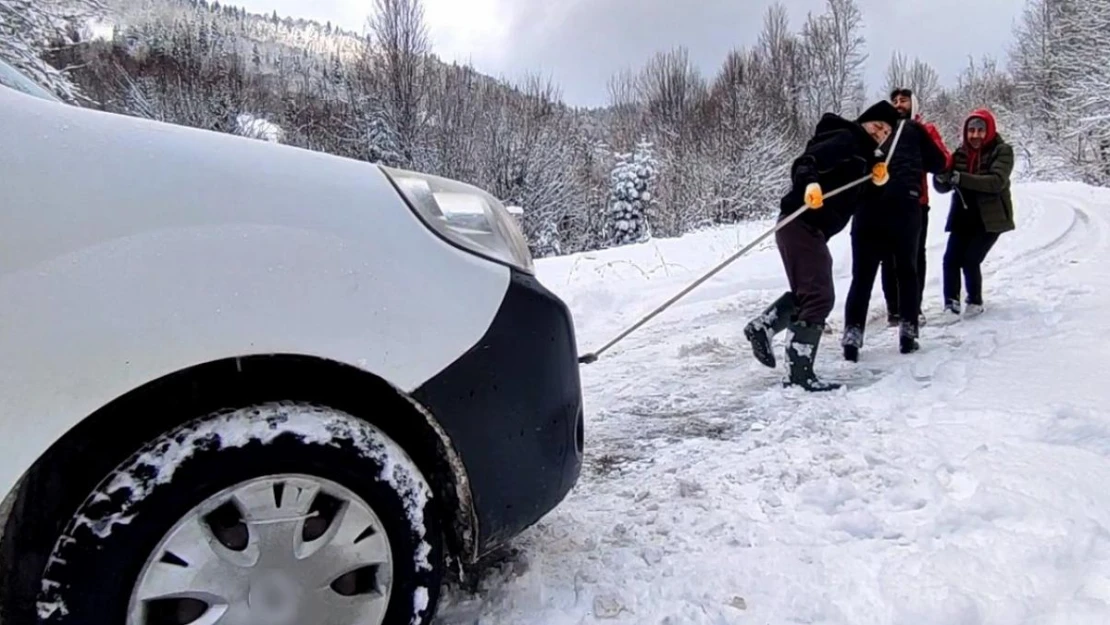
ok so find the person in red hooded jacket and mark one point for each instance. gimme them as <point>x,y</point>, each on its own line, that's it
<point>905,101</point>
<point>981,208</point>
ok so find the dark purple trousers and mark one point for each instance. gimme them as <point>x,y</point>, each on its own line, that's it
<point>808,263</point>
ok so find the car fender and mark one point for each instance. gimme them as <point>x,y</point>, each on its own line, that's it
<point>131,249</point>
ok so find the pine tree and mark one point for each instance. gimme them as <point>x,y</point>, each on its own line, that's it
<point>382,141</point>
<point>632,195</point>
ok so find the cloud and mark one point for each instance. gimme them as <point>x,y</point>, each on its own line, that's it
<point>589,40</point>
<point>582,43</point>
<point>592,39</point>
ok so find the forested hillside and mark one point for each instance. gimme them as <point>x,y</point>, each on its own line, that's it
<point>676,150</point>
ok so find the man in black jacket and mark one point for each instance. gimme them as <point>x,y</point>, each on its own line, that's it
<point>888,225</point>
<point>905,101</point>
<point>841,151</point>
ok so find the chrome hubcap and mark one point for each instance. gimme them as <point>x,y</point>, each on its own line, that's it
<point>280,550</point>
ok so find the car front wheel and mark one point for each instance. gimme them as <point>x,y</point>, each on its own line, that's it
<point>279,514</point>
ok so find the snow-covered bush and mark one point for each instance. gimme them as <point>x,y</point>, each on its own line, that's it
<point>248,125</point>
<point>546,240</point>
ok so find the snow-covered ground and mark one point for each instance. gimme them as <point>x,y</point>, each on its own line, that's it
<point>967,483</point>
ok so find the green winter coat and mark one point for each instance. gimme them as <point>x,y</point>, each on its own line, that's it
<point>982,195</point>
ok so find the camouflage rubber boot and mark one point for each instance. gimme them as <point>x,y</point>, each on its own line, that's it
<point>762,330</point>
<point>801,353</point>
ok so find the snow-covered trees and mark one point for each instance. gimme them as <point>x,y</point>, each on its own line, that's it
<point>717,145</point>
<point>397,51</point>
<point>671,95</point>
<point>1088,95</point>
<point>834,54</point>
<point>1038,58</point>
<point>916,75</point>
<point>526,155</point>
<point>632,195</point>
<point>29,28</point>
<point>1060,64</point>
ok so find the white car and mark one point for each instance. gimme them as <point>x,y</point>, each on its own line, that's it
<point>249,383</point>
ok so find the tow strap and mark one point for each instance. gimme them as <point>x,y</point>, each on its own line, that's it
<point>593,356</point>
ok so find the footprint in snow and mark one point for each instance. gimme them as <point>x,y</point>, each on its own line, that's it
<point>608,606</point>
<point>930,359</point>
<point>689,488</point>
<point>960,484</point>
<point>705,347</point>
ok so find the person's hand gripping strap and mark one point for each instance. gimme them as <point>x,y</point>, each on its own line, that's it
<point>814,197</point>
<point>879,174</point>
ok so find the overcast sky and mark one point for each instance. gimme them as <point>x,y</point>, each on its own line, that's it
<point>581,43</point>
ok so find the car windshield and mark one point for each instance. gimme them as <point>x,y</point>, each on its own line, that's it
<point>11,77</point>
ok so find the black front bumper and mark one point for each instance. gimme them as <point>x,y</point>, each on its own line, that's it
<point>512,406</point>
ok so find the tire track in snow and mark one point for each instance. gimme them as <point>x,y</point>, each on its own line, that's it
<point>1067,231</point>
<point>1078,224</point>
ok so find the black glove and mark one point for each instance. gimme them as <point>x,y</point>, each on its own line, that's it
<point>953,177</point>
<point>942,182</point>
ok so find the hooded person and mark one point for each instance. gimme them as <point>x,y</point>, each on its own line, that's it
<point>981,208</point>
<point>906,102</point>
<point>888,224</point>
<point>841,151</point>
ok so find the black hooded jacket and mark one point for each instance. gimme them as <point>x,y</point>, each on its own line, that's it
<point>839,152</point>
<point>901,196</point>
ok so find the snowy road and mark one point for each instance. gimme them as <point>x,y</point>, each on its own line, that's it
<point>964,484</point>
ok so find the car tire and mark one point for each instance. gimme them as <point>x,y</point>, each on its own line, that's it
<point>291,504</point>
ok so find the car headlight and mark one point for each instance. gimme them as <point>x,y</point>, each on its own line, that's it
<point>464,215</point>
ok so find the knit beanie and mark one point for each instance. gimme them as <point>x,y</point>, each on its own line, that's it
<point>881,111</point>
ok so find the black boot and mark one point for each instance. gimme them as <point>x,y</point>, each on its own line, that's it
<point>801,352</point>
<point>952,309</point>
<point>761,330</point>
<point>907,337</point>
<point>852,341</point>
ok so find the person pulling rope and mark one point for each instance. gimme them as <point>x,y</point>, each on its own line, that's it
<point>841,149</point>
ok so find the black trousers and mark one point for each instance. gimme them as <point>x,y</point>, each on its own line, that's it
<point>965,254</point>
<point>808,263</point>
<point>889,274</point>
<point>900,238</point>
